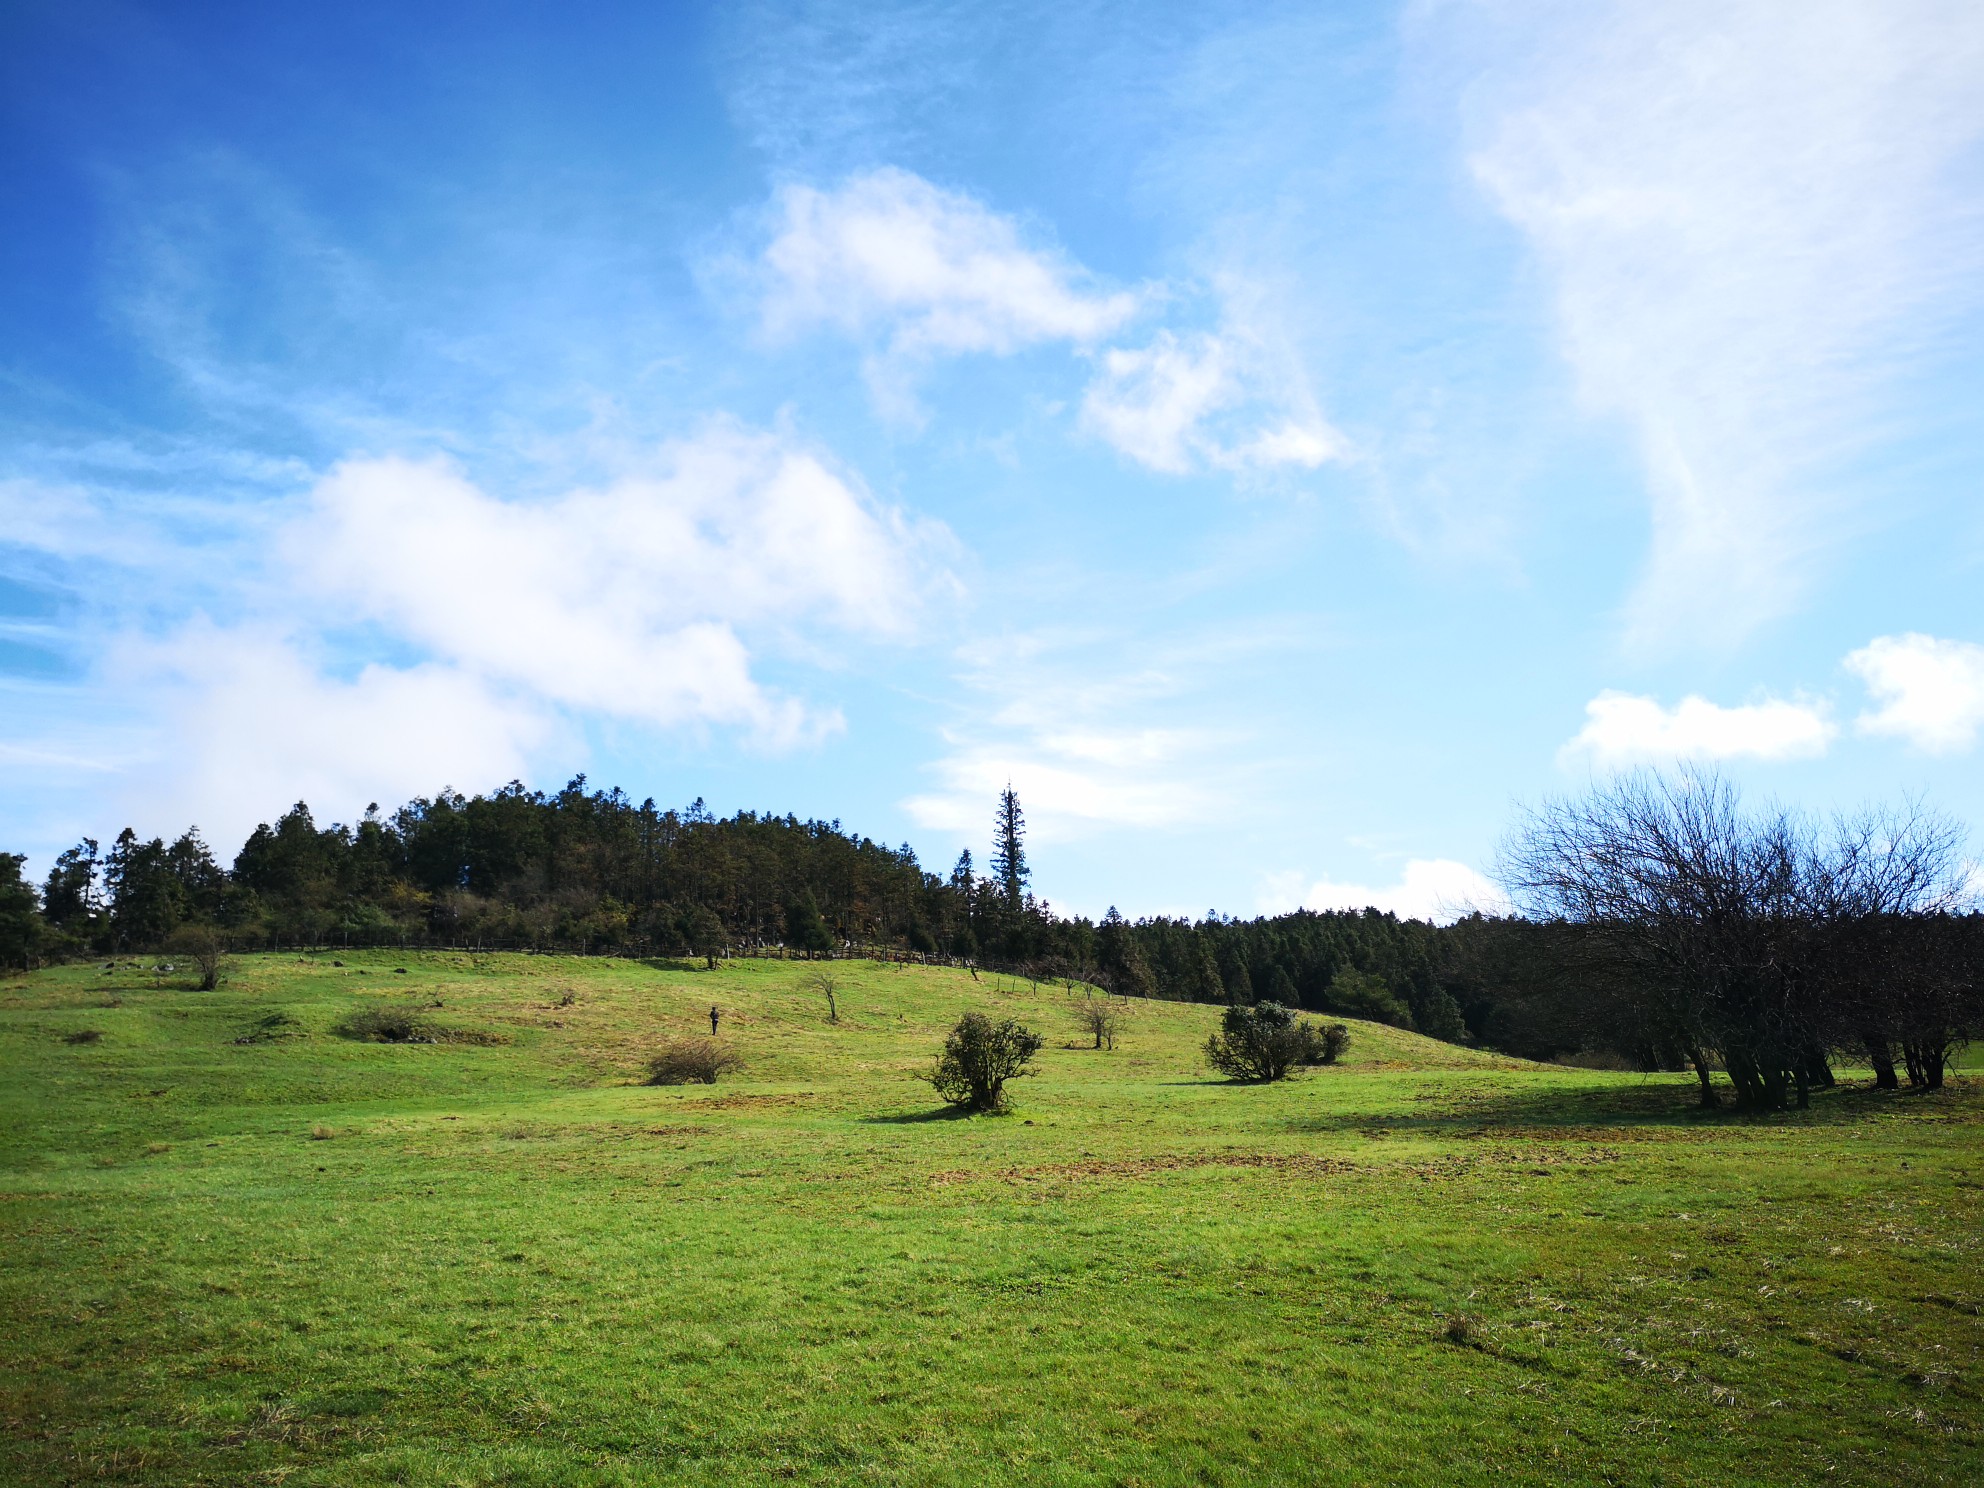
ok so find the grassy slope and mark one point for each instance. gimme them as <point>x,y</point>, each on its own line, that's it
<point>507,1264</point>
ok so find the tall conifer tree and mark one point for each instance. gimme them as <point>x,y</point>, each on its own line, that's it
<point>1009,868</point>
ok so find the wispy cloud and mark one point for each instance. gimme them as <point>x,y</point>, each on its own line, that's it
<point>1087,743</point>
<point>1928,691</point>
<point>1206,400</point>
<point>1622,729</point>
<point>1750,214</point>
<point>914,272</point>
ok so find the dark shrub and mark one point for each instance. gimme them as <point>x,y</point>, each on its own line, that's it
<point>270,1027</point>
<point>692,1061</point>
<point>82,1036</point>
<point>389,1025</point>
<point>1267,1041</point>
<point>979,1057</point>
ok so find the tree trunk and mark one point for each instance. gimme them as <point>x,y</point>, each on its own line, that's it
<point>1918,1075</point>
<point>1748,1080</point>
<point>1776,1087</point>
<point>1710,1100</point>
<point>1880,1054</point>
<point>1934,1056</point>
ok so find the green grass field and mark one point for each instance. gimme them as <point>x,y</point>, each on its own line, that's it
<point>308,1260</point>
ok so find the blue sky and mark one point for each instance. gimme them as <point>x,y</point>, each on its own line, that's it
<point>1277,438</point>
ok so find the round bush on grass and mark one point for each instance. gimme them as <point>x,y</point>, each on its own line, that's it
<point>979,1057</point>
<point>692,1061</point>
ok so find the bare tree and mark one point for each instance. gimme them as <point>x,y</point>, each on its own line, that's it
<point>205,947</point>
<point>823,982</point>
<point>1900,967</point>
<point>1101,1018</point>
<point>1754,937</point>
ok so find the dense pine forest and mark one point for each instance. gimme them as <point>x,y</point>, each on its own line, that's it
<point>592,870</point>
<point>1663,927</point>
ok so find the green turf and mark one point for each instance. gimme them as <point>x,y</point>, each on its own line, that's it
<point>307,1260</point>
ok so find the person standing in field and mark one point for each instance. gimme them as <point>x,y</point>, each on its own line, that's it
<point>712,1020</point>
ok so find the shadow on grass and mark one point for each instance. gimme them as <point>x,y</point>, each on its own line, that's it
<point>1671,1105</point>
<point>914,1118</point>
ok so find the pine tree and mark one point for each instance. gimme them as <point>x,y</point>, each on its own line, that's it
<point>1009,868</point>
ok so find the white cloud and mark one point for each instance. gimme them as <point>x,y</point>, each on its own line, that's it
<point>248,723</point>
<point>1621,728</point>
<point>1751,212</point>
<point>1929,691</point>
<point>1437,889</point>
<point>922,272</point>
<point>401,627</point>
<point>626,600</point>
<point>1177,404</point>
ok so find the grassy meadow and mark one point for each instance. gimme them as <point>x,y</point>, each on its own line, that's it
<point>236,1247</point>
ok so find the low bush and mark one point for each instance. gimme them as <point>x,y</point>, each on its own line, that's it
<point>405,1025</point>
<point>270,1027</point>
<point>979,1057</point>
<point>692,1061</point>
<point>1268,1041</point>
<point>83,1036</point>
<point>389,1025</point>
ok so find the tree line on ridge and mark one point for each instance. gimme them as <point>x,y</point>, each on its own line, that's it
<point>1660,923</point>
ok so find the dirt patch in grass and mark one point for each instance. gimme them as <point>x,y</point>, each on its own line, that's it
<point>1144,1167</point>
<point>751,1102</point>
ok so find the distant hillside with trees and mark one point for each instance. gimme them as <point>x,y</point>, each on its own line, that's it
<point>1663,925</point>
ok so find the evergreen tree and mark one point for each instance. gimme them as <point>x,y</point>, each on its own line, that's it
<point>69,899</point>
<point>20,924</point>
<point>1281,988</point>
<point>1239,985</point>
<point>804,929</point>
<point>1009,868</point>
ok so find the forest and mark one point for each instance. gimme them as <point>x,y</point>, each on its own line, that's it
<point>1660,924</point>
